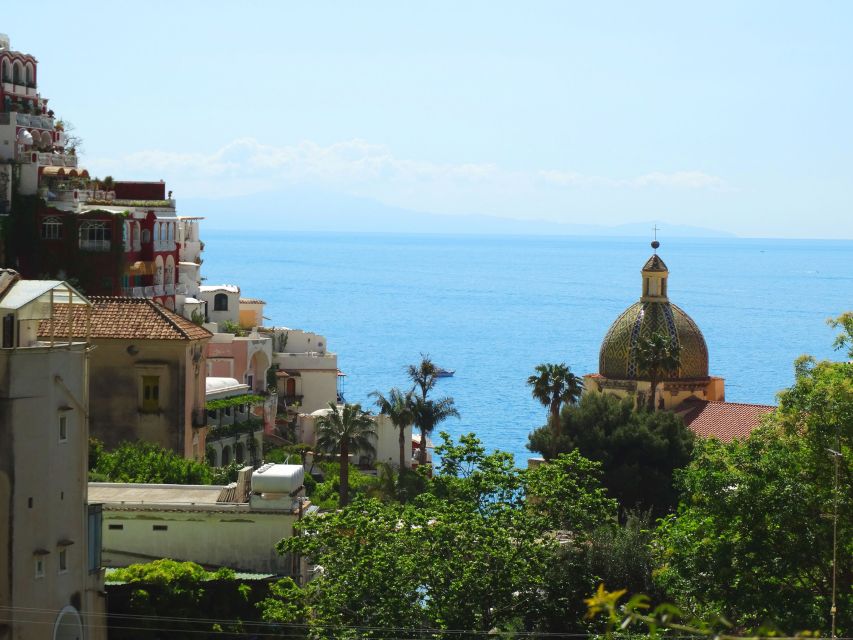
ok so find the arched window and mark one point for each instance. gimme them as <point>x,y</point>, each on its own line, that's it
<point>51,228</point>
<point>125,235</point>
<point>146,236</point>
<point>16,73</point>
<point>239,452</point>
<point>95,236</point>
<point>220,302</point>
<point>7,76</point>
<point>29,75</point>
<point>226,456</point>
<point>171,233</point>
<point>156,235</point>
<point>136,237</point>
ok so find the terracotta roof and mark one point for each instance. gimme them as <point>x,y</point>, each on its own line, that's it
<point>251,301</point>
<point>125,318</point>
<point>722,420</point>
<point>654,264</point>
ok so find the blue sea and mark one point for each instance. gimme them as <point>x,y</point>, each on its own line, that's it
<point>493,307</point>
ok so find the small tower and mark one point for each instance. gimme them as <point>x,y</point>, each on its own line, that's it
<point>655,275</point>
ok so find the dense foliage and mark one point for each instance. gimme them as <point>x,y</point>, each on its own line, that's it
<point>165,598</point>
<point>753,538</point>
<point>472,552</point>
<point>638,449</point>
<point>145,462</point>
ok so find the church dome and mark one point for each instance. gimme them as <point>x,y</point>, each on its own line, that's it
<point>652,314</point>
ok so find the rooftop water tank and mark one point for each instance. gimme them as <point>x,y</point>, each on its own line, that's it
<point>278,478</point>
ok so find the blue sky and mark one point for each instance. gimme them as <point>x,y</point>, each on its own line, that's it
<point>730,115</point>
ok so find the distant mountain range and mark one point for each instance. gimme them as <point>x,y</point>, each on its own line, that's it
<point>306,210</point>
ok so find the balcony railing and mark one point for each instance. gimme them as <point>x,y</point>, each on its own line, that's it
<point>95,245</point>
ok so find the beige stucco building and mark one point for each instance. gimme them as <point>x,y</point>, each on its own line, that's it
<point>147,372</point>
<point>51,583</point>
<point>235,526</point>
<point>618,370</point>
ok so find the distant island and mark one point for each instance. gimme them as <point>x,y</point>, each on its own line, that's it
<point>316,210</point>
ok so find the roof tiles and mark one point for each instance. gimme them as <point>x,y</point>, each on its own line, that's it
<point>722,420</point>
<point>125,318</point>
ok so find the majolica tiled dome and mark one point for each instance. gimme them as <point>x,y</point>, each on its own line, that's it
<point>653,313</point>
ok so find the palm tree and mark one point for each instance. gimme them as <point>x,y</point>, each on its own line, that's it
<point>554,385</point>
<point>657,356</point>
<point>423,375</point>
<point>342,432</point>
<point>399,408</point>
<point>428,414</point>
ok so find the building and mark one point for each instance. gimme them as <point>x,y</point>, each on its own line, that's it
<point>235,526</point>
<point>109,237</point>
<point>618,370</point>
<point>690,391</point>
<point>235,423</point>
<point>147,373</point>
<point>51,583</point>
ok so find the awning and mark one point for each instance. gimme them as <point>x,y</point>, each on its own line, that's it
<point>63,172</point>
<point>142,268</point>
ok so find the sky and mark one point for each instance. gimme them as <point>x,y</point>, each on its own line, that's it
<point>734,116</point>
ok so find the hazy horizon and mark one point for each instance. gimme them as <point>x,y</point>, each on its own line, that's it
<point>732,117</point>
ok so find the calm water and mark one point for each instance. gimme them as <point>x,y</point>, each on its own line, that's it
<point>494,307</point>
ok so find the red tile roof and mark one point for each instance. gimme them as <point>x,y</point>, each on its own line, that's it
<point>722,420</point>
<point>125,318</point>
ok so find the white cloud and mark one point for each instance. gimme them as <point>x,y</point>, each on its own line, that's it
<point>358,167</point>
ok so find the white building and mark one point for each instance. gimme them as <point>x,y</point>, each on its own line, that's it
<point>234,433</point>
<point>52,583</point>
<point>235,526</point>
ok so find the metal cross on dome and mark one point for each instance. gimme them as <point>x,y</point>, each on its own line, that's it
<point>655,243</point>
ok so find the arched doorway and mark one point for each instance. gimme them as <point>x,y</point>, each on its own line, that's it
<point>68,625</point>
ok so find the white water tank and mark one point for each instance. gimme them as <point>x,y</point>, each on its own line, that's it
<point>278,478</point>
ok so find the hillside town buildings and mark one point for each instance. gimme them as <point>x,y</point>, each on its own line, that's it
<point>51,583</point>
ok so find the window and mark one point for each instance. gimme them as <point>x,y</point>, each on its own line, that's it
<point>95,236</point>
<point>63,560</point>
<point>63,428</point>
<point>220,302</point>
<point>116,527</point>
<point>39,566</point>
<point>94,540</point>
<point>150,393</point>
<point>146,236</point>
<point>51,228</point>
<point>160,527</point>
<point>9,331</point>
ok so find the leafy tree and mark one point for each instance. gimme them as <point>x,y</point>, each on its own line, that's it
<point>346,431</point>
<point>428,415</point>
<point>399,407</point>
<point>490,550</point>
<point>753,537</point>
<point>657,357</point>
<point>638,450</point>
<point>553,385</point>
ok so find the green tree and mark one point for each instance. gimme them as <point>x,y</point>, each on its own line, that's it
<point>343,432</point>
<point>555,385</point>
<point>490,550</point>
<point>753,537</point>
<point>399,407</point>
<point>638,450</point>
<point>423,375</point>
<point>657,356</point>
<point>428,415</point>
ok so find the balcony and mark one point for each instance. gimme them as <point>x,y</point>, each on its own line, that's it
<point>34,121</point>
<point>95,245</point>
<point>18,88</point>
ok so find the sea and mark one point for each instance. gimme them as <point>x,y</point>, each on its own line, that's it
<point>493,307</point>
